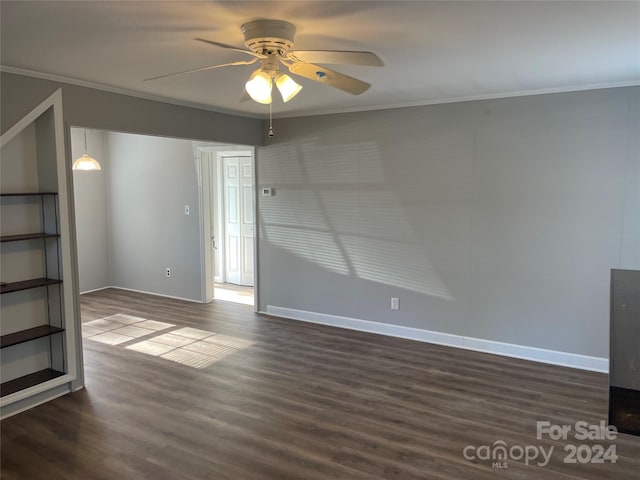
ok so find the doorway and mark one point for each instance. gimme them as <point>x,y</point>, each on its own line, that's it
<point>228,223</point>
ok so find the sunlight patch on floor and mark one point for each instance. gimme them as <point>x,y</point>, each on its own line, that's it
<point>233,293</point>
<point>120,328</point>
<point>185,345</point>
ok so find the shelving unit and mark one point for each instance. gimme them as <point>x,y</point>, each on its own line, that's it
<point>37,324</point>
<point>47,202</point>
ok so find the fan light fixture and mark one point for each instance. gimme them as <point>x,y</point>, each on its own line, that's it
<point>260,85</point>
<point>85,162</point>
<point>271,42</point>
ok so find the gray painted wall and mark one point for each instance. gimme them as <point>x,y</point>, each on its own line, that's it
<point>495,219</point>
<point>90,190</point>
<point>151,181</point>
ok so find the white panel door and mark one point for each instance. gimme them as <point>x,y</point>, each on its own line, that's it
<point>239,220</point>
<point>246,221</point>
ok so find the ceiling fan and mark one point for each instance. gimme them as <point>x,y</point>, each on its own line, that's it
<point>271,42</point>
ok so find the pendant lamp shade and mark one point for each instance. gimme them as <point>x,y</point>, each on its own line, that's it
<point>85,162</point>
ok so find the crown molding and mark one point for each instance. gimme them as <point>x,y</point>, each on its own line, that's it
<point>470,98</point>
<point>329,111</point>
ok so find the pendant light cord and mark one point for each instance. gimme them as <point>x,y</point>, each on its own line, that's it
<point>270,132</point>
<point>85,140</point>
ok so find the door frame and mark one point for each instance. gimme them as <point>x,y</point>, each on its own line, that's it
<point>205,171</point>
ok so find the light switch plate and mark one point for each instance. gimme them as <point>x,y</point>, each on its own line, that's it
<point>395,303</point>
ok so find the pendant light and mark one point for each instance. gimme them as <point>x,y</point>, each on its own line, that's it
<point>85,162</point>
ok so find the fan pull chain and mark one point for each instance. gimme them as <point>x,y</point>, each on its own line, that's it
<point>270,133</point>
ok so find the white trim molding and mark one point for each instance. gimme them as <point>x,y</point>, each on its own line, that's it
<point>95,290</point>
<point>44,397</point>
<point>565,359</point>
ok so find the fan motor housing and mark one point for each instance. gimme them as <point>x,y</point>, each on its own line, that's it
<point>268,36</point>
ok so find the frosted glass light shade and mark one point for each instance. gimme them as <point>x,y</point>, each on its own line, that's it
<point>259,87</point>
<point>287,86</point>
<point>85,162</point>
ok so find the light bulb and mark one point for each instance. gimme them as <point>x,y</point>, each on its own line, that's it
<point>259,87</point>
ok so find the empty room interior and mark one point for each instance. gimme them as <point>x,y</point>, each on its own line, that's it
<point>366,240</point>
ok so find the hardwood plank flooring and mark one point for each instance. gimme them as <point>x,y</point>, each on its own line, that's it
<point>303,401</point>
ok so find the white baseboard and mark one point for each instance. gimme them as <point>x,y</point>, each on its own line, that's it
<point>148,293</point>
<point>95,290</point>
<point>573,360</point>
<point>55,393</point>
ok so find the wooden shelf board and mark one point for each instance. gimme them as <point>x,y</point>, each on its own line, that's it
<point>27,236</point>
<point>26,194</point>
<point>28,284</point>
<point>28,335</point>
<point>21,383</point>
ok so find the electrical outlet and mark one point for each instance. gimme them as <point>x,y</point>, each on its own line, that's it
<point>395,303</point>
<point>167,272</point>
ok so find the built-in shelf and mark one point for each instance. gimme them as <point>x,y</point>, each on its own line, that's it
<point>26,194</point>
<point>29,334</point>
<point>40,348</point>
<point>27,236</point>
<point>28,284</point>
<point>21,383</point>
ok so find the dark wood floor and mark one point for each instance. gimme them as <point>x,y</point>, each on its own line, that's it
<point>305,402</point>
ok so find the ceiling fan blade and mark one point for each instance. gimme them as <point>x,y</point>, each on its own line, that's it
<point>228,47</point>
<point>330,77</point>
<point>337,57</point>
<point>194,70</point>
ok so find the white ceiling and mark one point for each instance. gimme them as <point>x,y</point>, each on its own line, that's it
<point>433,51</point>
